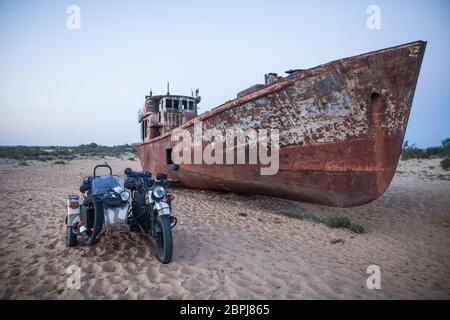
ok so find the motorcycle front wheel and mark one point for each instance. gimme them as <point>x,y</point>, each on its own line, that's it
<point>164,244</point>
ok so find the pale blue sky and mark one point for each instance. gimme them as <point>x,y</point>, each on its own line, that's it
<point>63,87</point>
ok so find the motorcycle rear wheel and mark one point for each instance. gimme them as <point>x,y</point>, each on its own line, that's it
<point>164,241</point>
<point>98,223</point>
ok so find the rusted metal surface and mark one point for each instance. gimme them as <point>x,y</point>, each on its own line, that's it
<point>341,128</point>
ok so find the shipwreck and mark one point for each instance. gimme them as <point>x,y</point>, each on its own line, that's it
<point>341,129</point>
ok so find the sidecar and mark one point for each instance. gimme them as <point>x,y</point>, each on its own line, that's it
<point>105,205</point>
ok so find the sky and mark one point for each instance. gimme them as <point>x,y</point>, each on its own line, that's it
<point>61,86</point>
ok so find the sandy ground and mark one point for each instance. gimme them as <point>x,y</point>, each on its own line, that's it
<point>228,246</point>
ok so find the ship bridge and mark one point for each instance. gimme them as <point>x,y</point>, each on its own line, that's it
<point>163,113</point>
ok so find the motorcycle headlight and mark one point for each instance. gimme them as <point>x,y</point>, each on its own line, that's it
<point>159,192</point>
<point>125,195</point>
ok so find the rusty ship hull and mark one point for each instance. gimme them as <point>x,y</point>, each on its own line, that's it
<point>341,125</point>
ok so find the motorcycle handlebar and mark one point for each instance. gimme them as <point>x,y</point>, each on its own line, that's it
<point>160,177</point>
<point>136,174</point>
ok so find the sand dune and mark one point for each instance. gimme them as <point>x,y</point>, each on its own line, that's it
<point>227,246</point>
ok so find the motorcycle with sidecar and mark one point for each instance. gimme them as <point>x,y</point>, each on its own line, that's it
<point>137,201</point>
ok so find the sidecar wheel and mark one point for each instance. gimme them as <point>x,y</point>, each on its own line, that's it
<point>71,237</point>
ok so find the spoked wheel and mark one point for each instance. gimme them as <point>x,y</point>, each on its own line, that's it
<point>164,244</point>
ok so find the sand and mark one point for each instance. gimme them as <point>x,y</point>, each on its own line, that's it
<point>228,246</point>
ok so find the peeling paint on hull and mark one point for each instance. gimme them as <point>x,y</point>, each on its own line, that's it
<point>341,127</point>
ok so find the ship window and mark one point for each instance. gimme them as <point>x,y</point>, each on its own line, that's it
<point>144,130</point>
<point>169,156</point>
<point>184,103</point>
<point>168,103</point>
<point>175,104</point>
<point>191,105</point>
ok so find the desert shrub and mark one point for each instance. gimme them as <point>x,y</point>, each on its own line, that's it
<point>62,152</point>
<point>411,151</point>
<point>22,152</point>
<point>357,228</point>
<point>446,143</point>
<point>445,163</point>
<point>331,222</point>
<point>344,222</point>
<point>433,152</point>
<point>446,147</point>
<point>66,153</point>
<point>338,222</point>
<point>59,162</point>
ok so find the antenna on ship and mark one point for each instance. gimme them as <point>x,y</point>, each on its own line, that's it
<point>168,92</point>
<point>197,97</point>
<point>151,92</point>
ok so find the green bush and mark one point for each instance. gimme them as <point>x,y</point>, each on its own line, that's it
<point>66,153</point>
<point>357,228</point>
<point>433,152</point>
<point>446,147</point>
<point>331,222</point>
<point>338,222</point>
<point>344,222</point>
<point>413,152</point>
<point>445,164</point>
